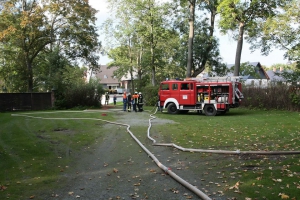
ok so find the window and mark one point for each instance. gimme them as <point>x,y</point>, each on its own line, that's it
<point>184,86</point>
<point>105,76</point>
<point>174,86</point>
<point>164,86</point>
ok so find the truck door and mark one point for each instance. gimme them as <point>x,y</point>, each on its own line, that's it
<point>164,92</point>
<point>187,96</point>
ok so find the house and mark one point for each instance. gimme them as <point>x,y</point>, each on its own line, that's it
<point>258,76</point>
<point>111,82</point>
<point>107,78</point>
<point>126,80</point>
<point>273,74</point>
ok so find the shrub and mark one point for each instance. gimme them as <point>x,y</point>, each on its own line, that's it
<point>150,95</point>
<point>86,95</point>
<point>280,97</point>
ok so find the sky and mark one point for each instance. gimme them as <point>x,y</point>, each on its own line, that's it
<point>227,44</point>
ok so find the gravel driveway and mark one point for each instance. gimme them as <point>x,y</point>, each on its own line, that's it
<point>118,168</point>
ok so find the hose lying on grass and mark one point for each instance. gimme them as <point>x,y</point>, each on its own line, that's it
<point>214,151</point>
<point>159,164</point>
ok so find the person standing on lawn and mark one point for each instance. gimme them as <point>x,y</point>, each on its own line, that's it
<point>124,101</point>
<point>115,99</point>
<point>106,98</point>
<point>135,98</point>
<point>129,100</point>
<point>140,102</point>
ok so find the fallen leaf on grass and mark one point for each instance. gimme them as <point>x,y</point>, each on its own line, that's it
<point>2,188</point>
<point>70,193</point>
<point>115,170</point>
<point>283,196</point>
<point>31,197</point>
<point>236,186</point>
<point>174,190</point>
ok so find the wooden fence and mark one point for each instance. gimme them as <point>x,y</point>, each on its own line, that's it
<point>26,101</point>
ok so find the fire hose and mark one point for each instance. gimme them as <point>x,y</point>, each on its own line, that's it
<point>158,163</point>
<point>211,150</point>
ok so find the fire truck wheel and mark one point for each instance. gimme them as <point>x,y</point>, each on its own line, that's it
<point>172,109</point>
<point>210,110</point>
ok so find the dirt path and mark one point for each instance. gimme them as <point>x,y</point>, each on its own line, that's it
<point>117,168</point>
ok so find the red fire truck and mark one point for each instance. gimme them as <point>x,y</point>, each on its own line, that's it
<point>213,95</point>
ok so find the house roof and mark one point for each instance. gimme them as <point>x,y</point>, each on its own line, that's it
<point>274,77</point>
<point>260,70</point>
<point>127,77</point>
<point>256,66</point>
<point>106,75</point>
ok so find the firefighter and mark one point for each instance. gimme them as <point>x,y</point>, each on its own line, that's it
<point>129,100</point>
<point>135,98</point>
<point>115,100</point>
<point>140,102</point>
<point>106,98</point>
<point>124,101</point>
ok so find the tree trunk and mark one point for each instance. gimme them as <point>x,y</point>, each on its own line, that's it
<point>29,77</point>
<point>152,52</point>
<point>191,39</point>
<point>209,46</point>
<point>239,48</point>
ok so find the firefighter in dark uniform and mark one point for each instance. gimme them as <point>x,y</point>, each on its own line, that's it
<point>106,98</point>
<point>140,102</point>
<point>129,100</point>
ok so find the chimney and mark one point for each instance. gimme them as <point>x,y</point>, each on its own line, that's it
<point>281,69</point>
<point>274,69</point>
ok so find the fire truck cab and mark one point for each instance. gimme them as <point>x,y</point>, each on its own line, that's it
<point>213,95</point>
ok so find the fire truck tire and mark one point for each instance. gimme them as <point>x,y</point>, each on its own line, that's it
<point>172,109</point>
<point>210,110</point>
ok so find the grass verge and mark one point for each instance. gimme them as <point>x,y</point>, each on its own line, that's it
<point>246,176</point>
<point>35,153</point>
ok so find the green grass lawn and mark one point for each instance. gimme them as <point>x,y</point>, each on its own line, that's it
<point>257,176</point>
<point>34,152</point>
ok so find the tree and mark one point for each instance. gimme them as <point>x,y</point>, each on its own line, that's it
<point>245,17</point>
<point>283,32</point>
<point>146,23</point>
<point>192,4</point>
<point>33,27</point>
<point>205,51</point>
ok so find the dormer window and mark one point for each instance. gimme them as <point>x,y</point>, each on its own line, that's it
<point>105,76</point>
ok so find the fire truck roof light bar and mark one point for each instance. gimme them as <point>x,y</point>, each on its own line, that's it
<point>215,79</point>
